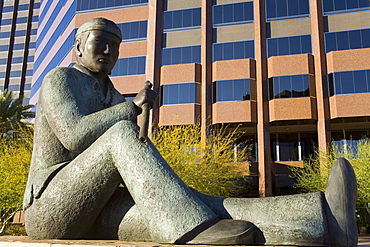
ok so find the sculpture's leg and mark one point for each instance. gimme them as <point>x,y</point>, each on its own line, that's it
<point>283,220</point>
<point>167,205</point>
<point>341,193</point>
<point>305,219</point>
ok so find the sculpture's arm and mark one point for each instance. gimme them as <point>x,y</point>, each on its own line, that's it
<point>70,118</point>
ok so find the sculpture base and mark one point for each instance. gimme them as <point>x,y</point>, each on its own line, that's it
<point>21,241</point>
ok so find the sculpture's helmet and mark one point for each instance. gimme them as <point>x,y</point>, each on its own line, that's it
<point>100,24</point>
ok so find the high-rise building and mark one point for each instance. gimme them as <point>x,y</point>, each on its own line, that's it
<point>18,27</point>
<point>294,74</point>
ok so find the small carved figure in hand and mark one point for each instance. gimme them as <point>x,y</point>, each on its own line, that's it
<point>86,144</point>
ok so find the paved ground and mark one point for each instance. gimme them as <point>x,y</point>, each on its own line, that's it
<point>364,241</point>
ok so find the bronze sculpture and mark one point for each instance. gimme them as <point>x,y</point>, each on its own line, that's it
<point>86,144</point>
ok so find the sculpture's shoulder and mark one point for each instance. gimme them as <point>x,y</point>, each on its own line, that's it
<point>61,75</point>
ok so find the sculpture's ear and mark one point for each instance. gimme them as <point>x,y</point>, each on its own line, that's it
<point>78,46</point>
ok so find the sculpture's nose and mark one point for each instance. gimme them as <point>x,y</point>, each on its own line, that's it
<point>107,49</point>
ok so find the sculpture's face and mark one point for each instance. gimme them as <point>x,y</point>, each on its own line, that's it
<point>99,52</point>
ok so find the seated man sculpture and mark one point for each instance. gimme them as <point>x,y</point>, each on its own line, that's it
<point>86,145</point>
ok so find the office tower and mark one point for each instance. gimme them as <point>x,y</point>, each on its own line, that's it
<point>18,29</point>
<point>294,74</point>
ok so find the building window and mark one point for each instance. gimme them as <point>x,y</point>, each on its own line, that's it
<point>290,86</point>
<point>133,30</point>
<point>292,146</point>
<point>346,142</point>
<point>345,40</point>
<point>182,18</point>
<point>10,8</point>
<point>181,55</point>
<point>349,82</point>
<point>233,13</point>
<point>94,4</point>
<point>289,45</point>
<point>180,93</point>
<point>340,5</point>
<point>129,66</point>
<point>233,50</point>
<point>232,90</point>
<point>286,8</point>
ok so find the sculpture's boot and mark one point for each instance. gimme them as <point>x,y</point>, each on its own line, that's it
<point>341,193</point>
<point>227,232</point>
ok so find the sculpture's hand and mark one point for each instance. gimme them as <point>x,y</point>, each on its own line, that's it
<point>146,95</point>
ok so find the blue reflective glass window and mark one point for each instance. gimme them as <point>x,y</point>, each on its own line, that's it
<point>304,7</point>
<point>101,4</point>
<point>197,20</point>
<point>184,96</point>
<point>132,66</point>
<point>4,47</point>
<point>364,3</point>
<point>337,83</point>
<point>6,22</point>
<point>339,5</point>
<point>179,93</point>
<point>134,30</point>
<point>180,55</point>
<point>330,42</point>
<point>271,9</point>
<point>354,39</point>
<point>276,86</point>
<point>285,87</point>
<point>217,52</point>
<point>2,60</point>
<point>182,18</point>
<point>188,20</point>
<point>141,65</point>
<point>239,51</point>
<point>230,13</point>
<point>166,56</point>
<point>272,47</point>
<point>289,86</point>
<point>359,78</point>
<point>227,13</point>
<point>186,54</point>
<point>295,45</point>
<point>365,38</point>
<point>249,49</point>
<point>306,85</point>
<point>342,40</point>
<point>226,91</point>
<point>306,44</point>
<point>283,45</point>
<point>248,11</point>
<point>233,50</point>
<point>167,20</point>
<point>217,15</point>
<point>123,67</point>
<point>281,8</point>
<point>196,54</point>
<point>177,19</point>
<point>17,59</point>
<point>347,82</point>
<point>232,90</point>
<point>170,91</point>
<point>176,55</point>
<point>293,8</point>
<point>352,4</point>
<point>93,4</point>
<point>238,12</point>
<point>228,51</point>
